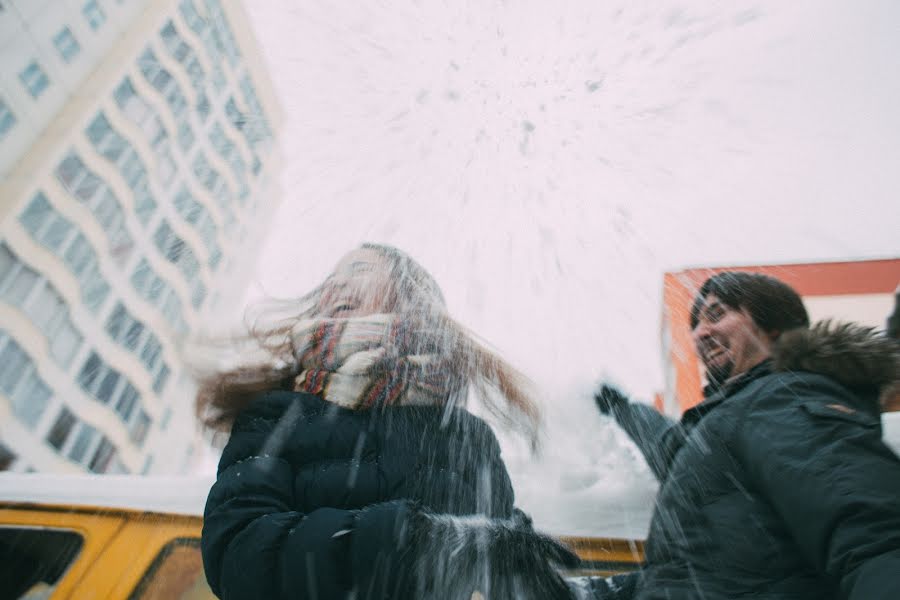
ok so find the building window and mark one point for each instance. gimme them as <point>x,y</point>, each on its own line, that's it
<point>152,288</point>
<point>103,456</point>
<point>74,176</point>
<point>7,456</point>
<point>112,389</point>
<point>83,442</point>
<point>7,118</point>
<point>56,232</point>
<point>93,14</point>
<point>140,428</point>
<point>61,429</point>
<point>20,381</point>
<point>118,151</point>
<point>34,79</point>
<point>24,288</point>
<point>66,44</point>
<point>132,334</point>
<point>182,256</point>
<point>161,378</point>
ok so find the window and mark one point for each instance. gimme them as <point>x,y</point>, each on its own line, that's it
<point>127,401</point>
<point>17,287</point>
<point>89,372</point>
<point>7,119</point>
<point>65,343</point>
<point>71,172</point>
<point>118,151</point>
<point>35,559</point>
<point>185,136</point>
<point>78,256</point>
<point>66,44</point>
<point>34,79</point>
<point>38,298</point>
<point>14,362</point>
<point>20,381</point>
<point>102,456</point>
<point>131,104</point>
<point>160,381</point>
<point>158,293</point>
<point>176,573</point>
<point>131,333</point>
<point>167,416</point>
<point>56,232</point>
<point>31,398</point>
<point>140,428</point>
<point>7,458</point>
<point>109,387</point>
<point>61,429</point>
<point>83,442</point>
<point>93,14</point>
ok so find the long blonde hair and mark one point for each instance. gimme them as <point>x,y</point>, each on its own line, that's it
<point>504,391</point>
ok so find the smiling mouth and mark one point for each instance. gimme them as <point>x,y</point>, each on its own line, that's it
<point>713,354</point>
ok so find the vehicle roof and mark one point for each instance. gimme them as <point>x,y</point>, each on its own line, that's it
<point>182,495</point>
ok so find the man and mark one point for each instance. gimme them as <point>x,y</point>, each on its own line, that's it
<point>778,484</point>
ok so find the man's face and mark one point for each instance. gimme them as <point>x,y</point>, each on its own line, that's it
<point>728,342</point>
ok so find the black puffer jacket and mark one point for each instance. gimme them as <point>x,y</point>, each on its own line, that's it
<point>779,485</point>
<point>311,500</point>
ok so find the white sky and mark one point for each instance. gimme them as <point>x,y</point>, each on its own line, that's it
<point>548,163</point>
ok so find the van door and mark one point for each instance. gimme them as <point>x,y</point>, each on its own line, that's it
<point>45,552</point>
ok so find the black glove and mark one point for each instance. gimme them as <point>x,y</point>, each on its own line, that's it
<point>609,399</point>
<point>504,559</point>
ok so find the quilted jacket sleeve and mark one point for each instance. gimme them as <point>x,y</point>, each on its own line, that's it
<point>648,429</point>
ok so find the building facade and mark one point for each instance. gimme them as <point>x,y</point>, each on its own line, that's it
<point>857,291</point>
<point>138,171</point>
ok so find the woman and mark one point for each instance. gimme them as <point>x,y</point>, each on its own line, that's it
<point>351,459</point>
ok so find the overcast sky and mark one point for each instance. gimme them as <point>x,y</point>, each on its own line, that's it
<point>547,162</point>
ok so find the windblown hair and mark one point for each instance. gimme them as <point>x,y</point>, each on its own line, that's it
<point>772,304</point>
<point>503,390</point>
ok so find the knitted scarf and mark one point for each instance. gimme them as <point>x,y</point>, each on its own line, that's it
<point>376,360</point>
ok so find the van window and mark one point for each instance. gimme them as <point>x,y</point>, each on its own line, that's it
<point>33,560</point>
<point>176,574</point>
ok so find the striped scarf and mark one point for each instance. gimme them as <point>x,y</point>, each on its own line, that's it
<point>364,362</point>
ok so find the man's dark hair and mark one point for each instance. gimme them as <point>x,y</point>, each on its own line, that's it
<point>772,304</point>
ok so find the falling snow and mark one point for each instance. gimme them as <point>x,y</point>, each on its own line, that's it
<point>547,163</point>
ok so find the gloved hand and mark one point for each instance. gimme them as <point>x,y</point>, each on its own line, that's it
<point>504,559</point>
<point>609,399</point>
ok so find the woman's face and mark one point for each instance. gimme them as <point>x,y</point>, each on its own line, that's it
<point>359,286</point>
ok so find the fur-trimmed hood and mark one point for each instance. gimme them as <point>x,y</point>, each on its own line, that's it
<point>857,357</point>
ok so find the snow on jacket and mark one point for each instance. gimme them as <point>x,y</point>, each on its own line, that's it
<point>311,499</point>
<point>778,486</point>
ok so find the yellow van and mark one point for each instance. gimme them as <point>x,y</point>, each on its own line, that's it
<point>138,538</point>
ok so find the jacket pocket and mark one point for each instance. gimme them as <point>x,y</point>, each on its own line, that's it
<point>842,412</point>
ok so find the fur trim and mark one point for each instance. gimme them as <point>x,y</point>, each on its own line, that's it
<point>853,355</point>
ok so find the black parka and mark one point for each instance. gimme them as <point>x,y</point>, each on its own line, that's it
<point>312,500</point>
<point>778,485</point>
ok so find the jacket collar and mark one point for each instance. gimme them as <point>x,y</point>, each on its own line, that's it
<point>859,358</point>
<point>716,394</point>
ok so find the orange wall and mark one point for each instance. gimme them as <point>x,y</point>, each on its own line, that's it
<point>818,279</point>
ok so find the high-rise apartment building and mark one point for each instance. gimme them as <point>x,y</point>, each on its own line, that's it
<point>138,172</point>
